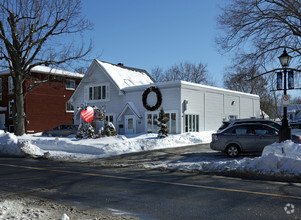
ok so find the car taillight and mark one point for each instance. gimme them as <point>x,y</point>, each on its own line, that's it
<point>214,137</point>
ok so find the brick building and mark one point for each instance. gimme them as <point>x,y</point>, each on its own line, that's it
<point>45,104</point>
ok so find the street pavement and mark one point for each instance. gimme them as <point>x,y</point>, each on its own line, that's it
<point>151,194</point>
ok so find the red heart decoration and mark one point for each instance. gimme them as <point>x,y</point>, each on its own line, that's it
<point>88,114</point>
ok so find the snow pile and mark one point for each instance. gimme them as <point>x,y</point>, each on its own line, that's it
<point>284,157</point>
<point>19,210</point>
<point>11,146</point>
<point>278,158</point>
<point>83,149</point>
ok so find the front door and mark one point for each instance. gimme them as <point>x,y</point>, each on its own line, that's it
<point>130,124</point>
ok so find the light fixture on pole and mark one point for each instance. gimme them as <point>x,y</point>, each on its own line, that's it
<point>285,132</point>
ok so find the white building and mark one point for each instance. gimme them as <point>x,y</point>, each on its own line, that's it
<point>131,100</point>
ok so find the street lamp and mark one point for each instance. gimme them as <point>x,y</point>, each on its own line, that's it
<point>285,132</point>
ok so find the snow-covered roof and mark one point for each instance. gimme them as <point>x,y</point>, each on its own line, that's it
<point>124,76</point>
<point>188,84</point>
<point>48,70</point>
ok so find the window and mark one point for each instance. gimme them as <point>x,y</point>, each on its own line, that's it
<point>263,130</point>
<point>0,88</point>
<point>191,123</point>
<point>152,122</point>
<point>232,117</point>
<point>69,107</point>
<point>98,93</point>
<point>110,118</point>
<point>10,108</point>
<point>10,85</point>
<point>242,130</point>
<point>70,84</point>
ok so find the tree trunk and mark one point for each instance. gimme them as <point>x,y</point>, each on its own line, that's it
<point>18,107</point>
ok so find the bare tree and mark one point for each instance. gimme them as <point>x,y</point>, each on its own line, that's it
<point>265,26</point>
<point>157,74</point>
<point>238,79</point>
<point>36,32</point>
<point>186,71</point>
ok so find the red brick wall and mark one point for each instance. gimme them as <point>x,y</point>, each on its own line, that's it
<point>45,105</point>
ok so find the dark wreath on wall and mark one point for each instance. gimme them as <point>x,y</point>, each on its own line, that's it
<point>159,98</point>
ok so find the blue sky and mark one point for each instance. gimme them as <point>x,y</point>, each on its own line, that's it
<point>150,33</point>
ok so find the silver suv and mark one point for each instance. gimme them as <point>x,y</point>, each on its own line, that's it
<point>226,124</point>
<point>248,137</point>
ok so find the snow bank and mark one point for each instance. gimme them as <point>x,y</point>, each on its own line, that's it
<point>279,159</point>
<point>11,146</point>
<point>83,149</point>
<point>282,159</point>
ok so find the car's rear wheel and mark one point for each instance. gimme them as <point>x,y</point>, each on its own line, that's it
<point>232,150</point>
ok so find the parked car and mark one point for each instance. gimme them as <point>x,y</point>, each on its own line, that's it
<point>61,130</point>
<point>296,138</point>
<point>248,137</point>
<point>295,125</point>
<point>226,124</point>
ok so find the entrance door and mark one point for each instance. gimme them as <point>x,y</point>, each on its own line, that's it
<point>130,124</point>
<point>2,121</point>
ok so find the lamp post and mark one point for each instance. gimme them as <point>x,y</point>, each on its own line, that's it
<point>285,132</point>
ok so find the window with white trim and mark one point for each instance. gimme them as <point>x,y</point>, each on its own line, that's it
<point>10,108</point>
<point>152,122</point>
<point>10,85</point>
<point>69,107</point>
<point>98,92</point>
<point>110,118</point>
<point>191,123</point>
<point>70,84</point>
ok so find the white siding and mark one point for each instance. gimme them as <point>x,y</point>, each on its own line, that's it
<point>195,106</point>
<point>246,108</point>
<point>231,106</point>
<point>214,105</point>
<point>170,102</point>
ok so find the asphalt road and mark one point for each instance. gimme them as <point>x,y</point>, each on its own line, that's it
<point>150,194</point>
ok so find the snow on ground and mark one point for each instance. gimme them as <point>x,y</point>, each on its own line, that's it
<point>280,159</point>
<point>83,149</point>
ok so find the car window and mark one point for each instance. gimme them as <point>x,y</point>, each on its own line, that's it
<point>63,126</point>
<point>241,130</point>
<point>296,126</point>
<point>274,124</point>
<point>264,130</point>
<point>224,125</point>
<point>74,126</point>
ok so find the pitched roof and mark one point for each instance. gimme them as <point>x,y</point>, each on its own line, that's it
<point>132,107</point>
<point>48,70</point>
<point>124,76</point>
